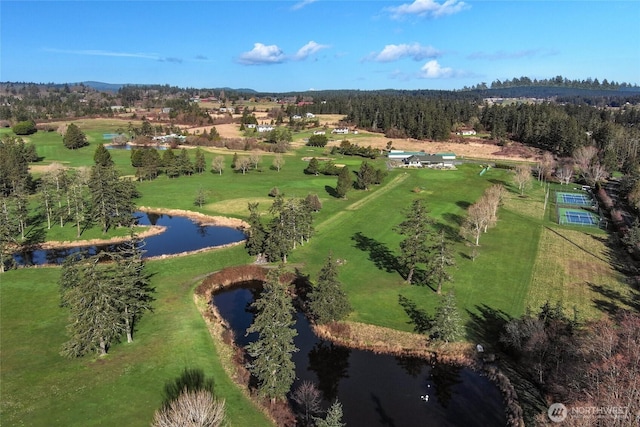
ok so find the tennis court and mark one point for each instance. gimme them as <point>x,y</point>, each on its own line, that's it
<point>575,199</point>
<point>578,217</point>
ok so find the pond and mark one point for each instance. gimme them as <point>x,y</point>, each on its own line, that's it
<point>181,235</point>
<point>375,389</point>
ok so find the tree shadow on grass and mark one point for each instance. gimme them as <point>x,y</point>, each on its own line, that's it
<point>615,301</point>
<point>450,232</point>
<point>419,318</point>
<point>331,191</point>
<point>498,182</point>
<point>463,204</point>
<point>486,324</point>
<point>379,253</point>
<point>191,379</point>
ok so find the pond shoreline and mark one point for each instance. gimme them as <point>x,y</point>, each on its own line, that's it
<point>352,335</point>
<point>149,231</point>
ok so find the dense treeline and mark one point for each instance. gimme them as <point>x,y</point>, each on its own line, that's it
<point>562,129</point>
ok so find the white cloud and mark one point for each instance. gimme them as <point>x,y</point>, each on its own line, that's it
<point>302,4</point>
<point>309,49</point>
<point>96,52</point>
<point>393,52</point>
<point>427,8</point>
<point>433,70</point>
<point>262,54</point>
<point>504,55</point>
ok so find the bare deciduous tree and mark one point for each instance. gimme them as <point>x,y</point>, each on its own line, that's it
<point>596,173</point>
<point>565,172</point>
<point>522,177</point>
<point>583,157</point>
<point>254,159</point>
<point>545,166</point>
<point>308,397</point>
<point>217,164</point>
<point>474,223</point>
<point>191,409</point>
<point>243,164</point>
<point>278,162</point>
<point>494,196</point>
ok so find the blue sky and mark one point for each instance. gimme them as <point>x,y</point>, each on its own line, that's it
<point>282,46</point>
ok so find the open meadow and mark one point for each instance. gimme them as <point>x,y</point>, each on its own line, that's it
<point>523,261</point>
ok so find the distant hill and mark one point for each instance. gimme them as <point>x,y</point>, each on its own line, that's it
<point>114,87</point>
<point>103,87</point>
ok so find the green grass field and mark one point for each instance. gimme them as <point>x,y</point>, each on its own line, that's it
<point>520,263</point>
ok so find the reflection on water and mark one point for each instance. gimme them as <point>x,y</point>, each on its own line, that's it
<point>181,235</point>
<point>374,389</point>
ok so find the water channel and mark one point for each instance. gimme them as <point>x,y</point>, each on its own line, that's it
<point>181,235</point>
<point>374,389</point>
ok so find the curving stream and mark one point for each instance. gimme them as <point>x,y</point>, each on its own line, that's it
<point>375,389</point>
<point>181,235</point>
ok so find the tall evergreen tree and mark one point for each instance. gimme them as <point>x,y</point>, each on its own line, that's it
<point>170,163</point>
<point>328,301</point>
<point>200,163</point>
<point>102,157</point>
<point>8,232</point>
<point>416,247</point>
<point>136,292</point>
<point>106,294</point>
<point>447,323</point>
<point>272,364</point>
<point>14,167</point>
<point>186,167</point>
<point>88,290</point>
<point>256,234</point>
<point>281,239</point>
<point>365,176</point>
<point>74,138</point>
<point>333,418</point>
<point>112,198</point>
<point>345,182</point>
<point>313,168</point>
<point>441,260</point>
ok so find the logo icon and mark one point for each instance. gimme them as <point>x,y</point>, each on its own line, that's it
<point>557,412</point>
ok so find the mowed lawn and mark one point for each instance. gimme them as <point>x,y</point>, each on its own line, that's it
<point>513,270</point>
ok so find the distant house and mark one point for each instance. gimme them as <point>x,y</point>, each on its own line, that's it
<point>401,155</point>
<point>466,132</point>
<point>169,138</point>
<point>250,126</point>
<point>422,160</point>
<point>166,110</point>
<point>264,128</point>
<point>341,131</point>
<point>310,115</point>
<point>296,117</point>
<point>319,132</point>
